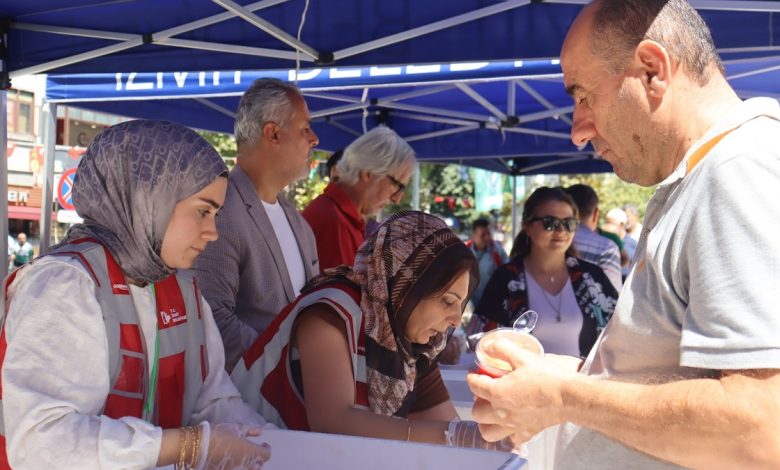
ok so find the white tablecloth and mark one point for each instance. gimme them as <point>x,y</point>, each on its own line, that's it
<point>541,450</point>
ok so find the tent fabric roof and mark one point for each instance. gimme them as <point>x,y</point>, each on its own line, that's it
<point>151,36</point>
<point>464,122</point>
<point>451,112</point>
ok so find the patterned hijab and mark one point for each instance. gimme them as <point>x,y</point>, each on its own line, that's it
<point>128,184</point>
<point>393,268</point>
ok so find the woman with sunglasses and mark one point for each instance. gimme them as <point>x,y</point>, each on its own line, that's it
<point>574,298</point>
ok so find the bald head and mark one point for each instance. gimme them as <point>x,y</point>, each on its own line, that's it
<point>612,29</point>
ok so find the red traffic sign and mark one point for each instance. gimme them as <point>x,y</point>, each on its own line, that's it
<point>65,189</point>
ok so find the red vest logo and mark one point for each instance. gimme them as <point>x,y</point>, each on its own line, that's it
<point>122,288</point>
<point>172,317</point>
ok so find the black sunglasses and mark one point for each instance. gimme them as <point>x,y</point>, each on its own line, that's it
<point>401,187</point>
<point>551,223</point>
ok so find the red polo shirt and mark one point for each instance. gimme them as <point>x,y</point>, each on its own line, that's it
<point>337,225</point>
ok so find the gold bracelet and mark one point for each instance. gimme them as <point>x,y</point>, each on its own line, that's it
<point>182,448</point>
<point>196,430</point>
<point>408,430</point>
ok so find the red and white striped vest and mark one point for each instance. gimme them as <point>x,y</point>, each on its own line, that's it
<point>182,365</point>
<point>265,374</point>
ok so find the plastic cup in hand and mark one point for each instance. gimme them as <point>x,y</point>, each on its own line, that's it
<point>518,334</point>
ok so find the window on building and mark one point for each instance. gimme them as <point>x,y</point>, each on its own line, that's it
<point>20,114</point>
<point>77,127</point>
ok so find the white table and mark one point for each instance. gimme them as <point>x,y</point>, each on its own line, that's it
<point>541,450</point>
<point>302,450</point>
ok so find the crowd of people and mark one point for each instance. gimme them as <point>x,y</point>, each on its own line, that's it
<point>195,306</point>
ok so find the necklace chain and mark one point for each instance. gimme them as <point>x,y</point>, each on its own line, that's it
<point>557,309</point>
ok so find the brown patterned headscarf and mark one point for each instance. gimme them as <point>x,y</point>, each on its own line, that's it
<point>393,268</point>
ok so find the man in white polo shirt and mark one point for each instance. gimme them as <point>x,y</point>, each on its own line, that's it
<point>687,372</point>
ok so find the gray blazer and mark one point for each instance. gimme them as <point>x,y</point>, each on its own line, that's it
<point>243,275</point>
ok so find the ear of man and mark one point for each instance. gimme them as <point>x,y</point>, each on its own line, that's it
<point>271,132</point>
<point>653,63</point>
<point>364,175</point>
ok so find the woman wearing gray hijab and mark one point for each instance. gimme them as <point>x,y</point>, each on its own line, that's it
<point>110,358</point>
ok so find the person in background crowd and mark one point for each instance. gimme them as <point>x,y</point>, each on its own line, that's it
<point>687,372</point>
<point>589,244</point>
<point>330,164</point>
<point>357,352</point>
<point>266,251</point>
<point>574,298</point>
<point>616,221</point>
<point>22,252</point>
<point>373,172</point>
<point>614,229</point>
<point>633,227</point>
<point>490,254</point>
<point>11,243</point>
<point>92,375</point>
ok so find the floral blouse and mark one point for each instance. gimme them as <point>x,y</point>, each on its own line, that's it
<point>506,297</point>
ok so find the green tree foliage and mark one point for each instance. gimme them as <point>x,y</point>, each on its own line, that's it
<point>224,143</point>
<point>445,190</point>
<point>305,190</point>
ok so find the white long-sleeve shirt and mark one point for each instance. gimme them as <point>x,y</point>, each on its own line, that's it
<point>55,376</point>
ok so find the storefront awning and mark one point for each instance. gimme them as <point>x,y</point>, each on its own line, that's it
<point>24,213</point>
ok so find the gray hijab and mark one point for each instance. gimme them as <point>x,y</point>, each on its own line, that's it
<point>128,183</point>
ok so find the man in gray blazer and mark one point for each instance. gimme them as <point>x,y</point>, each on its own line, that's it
<point>266,251</point>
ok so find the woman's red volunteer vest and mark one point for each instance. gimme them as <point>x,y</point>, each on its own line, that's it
<point>182,365</point>
<point>265,376</point>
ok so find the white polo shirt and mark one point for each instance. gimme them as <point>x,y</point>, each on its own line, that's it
<point>704,292</point>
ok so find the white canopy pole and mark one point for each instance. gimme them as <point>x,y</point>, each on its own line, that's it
<point>431,135</point>
<point>526,130</point>
<point>541,99</point>
<point>430,28</point>
<point>550,113</point>
<point>266,26</point>
<point>137,40</point>
<point>47,191</point>
<point>4,180</point>
<point>481,100</point>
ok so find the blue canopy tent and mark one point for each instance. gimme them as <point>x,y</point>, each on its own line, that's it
<point>81,36</point>
<point>502,116</point>
<point>506,116</point>
<point>89,36</point>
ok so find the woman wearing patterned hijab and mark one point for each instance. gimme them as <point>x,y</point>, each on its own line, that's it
<point>356,352</point>
<point>110,357</point>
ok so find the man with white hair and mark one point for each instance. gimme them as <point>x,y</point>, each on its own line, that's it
<point>266,251</point>
<point>633,226</point>
<point>373,172</point>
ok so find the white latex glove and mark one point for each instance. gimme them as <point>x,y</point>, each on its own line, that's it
<point>228,447</point>
<point>466,434</point>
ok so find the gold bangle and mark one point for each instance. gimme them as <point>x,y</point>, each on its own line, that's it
<point>196,430</point>
<point>408,430</point>
<point>182,448</point>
